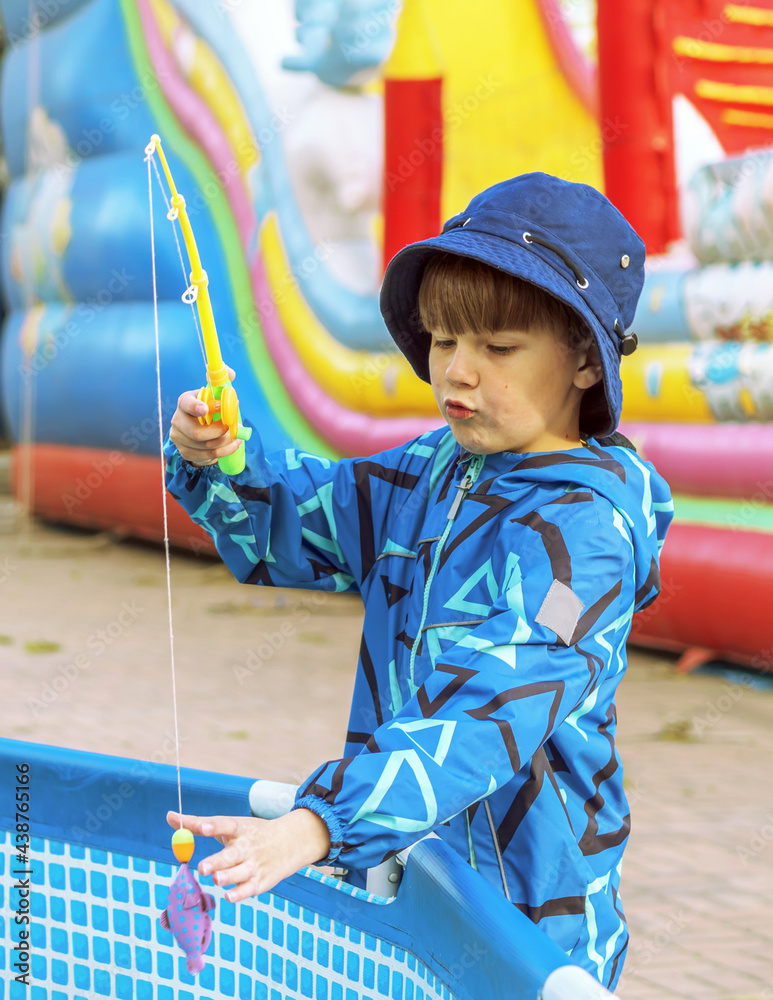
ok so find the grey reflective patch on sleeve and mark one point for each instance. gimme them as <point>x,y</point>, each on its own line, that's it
<point>560,611</point>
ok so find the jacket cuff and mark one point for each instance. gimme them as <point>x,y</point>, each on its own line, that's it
<point>176,464</point>
<point>331,820</point>
<point>205,471</point>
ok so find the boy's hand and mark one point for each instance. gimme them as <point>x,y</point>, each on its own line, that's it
<point>258,853</point>
<point>199,444</point>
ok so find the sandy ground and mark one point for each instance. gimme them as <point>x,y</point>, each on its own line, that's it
<point>85,663</point>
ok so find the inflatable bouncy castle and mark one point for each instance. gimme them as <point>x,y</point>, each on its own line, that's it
<point>698,392</point>
<point>278,144</point>
<point>703,388</point>
<point>313,140</point>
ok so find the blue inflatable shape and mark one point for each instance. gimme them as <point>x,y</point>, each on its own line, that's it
<point>343,41</point>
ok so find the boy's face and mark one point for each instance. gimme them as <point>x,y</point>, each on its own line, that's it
<point>516,391</point>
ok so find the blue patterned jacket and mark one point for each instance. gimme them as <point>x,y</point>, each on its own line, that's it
<point>492,647</point>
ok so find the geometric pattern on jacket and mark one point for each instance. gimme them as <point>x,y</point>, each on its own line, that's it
<point>484,703</point>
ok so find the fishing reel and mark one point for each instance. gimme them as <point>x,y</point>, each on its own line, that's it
<point>223,404</point>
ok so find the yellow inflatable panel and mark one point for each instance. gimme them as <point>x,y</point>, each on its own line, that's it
<point>508,108</point>
<point>382,384</point>
<point>658,385</point>
<point>416,54</point>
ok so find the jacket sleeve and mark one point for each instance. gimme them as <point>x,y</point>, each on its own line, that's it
<point>292,519</point>
<point>554,635</point>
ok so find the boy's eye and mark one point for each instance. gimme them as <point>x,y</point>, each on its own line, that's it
<point>437,342</point>
<point>502,348</point>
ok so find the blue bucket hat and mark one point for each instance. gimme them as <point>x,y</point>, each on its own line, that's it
<point>563,237</point>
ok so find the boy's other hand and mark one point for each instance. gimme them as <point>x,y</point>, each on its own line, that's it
<point>257,853</point>
<point>199,444</point>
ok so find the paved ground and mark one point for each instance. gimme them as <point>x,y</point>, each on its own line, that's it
<point>84,662</point>
<point>698,875</point>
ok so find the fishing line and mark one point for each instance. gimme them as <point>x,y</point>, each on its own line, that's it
<point>190,294</point>
<point>149,159</point>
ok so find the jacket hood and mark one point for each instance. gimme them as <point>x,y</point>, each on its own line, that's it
<point>638,493</point>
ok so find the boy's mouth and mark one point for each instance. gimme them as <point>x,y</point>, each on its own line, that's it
<point>457,411</point>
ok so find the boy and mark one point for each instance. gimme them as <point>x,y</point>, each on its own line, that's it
<point>499,559</point>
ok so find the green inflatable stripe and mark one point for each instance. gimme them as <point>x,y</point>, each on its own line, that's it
<point>738,515</point>
<point>174,138</point>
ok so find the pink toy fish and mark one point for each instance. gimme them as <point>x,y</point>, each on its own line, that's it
<point>187,917</point>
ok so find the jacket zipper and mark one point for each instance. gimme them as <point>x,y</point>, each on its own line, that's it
<point>464,488</point>
<point>468,481</point>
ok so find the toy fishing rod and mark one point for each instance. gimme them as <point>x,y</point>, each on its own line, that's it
<point>218,394</point>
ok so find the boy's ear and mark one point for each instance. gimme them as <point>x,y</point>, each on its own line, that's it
<point>588,367</point>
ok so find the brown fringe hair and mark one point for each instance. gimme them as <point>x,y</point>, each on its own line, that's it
<point>461,295</point>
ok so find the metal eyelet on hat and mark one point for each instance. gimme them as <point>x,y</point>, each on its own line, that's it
<point>580,279</point>
<point>625,260</point>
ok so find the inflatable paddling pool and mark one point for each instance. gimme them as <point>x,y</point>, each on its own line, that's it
<point>85,873</point>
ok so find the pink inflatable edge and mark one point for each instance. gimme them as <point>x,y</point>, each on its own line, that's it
<point>720,460</point>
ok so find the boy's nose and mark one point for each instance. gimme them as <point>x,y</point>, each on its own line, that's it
<point>462,369</point>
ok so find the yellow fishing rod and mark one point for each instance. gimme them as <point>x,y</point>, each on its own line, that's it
<point>219,395</point>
